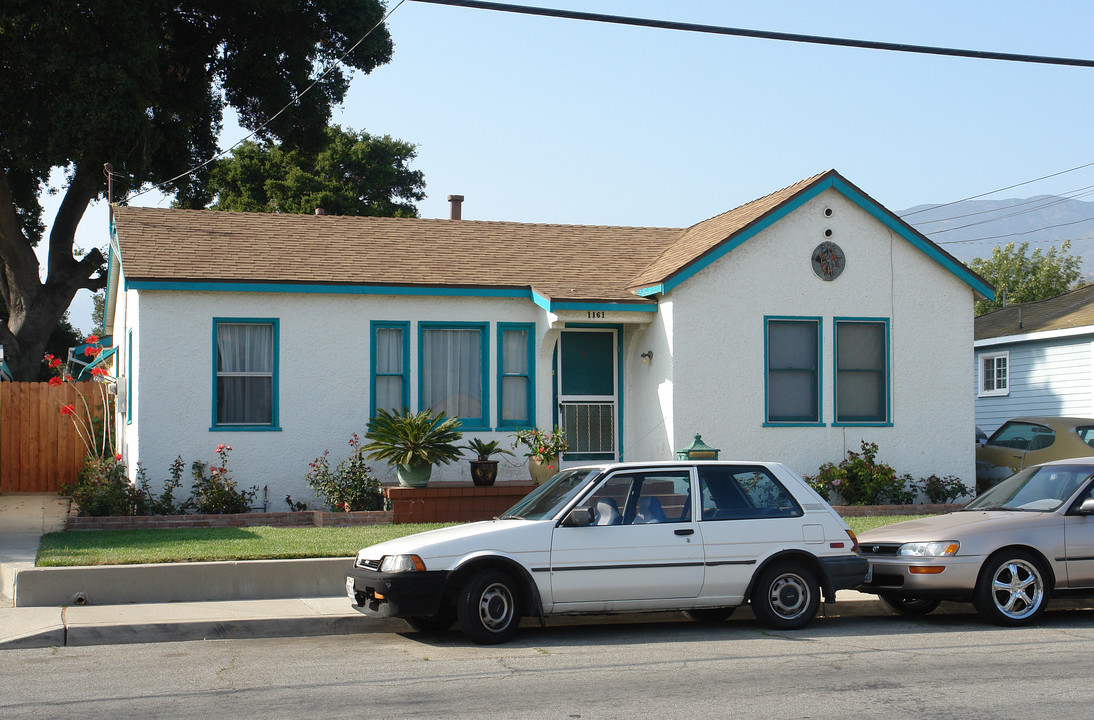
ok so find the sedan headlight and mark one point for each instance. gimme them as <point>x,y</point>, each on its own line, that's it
<point>401,563</point>
<point>943,548</point>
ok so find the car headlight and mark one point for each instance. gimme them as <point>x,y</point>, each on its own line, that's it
<point>401,563</point>
<point>943,548</point>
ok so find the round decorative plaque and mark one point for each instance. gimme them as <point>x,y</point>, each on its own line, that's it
<point>828,260</point>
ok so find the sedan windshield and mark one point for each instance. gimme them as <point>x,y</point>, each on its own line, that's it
<point>551,496</point>
<point>1040,489</point>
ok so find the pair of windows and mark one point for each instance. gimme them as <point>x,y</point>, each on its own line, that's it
<point>453,370</point>
<point>793,370</point>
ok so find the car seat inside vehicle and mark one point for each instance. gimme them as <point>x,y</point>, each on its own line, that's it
<point>607,512</point>
<point>649,511</point>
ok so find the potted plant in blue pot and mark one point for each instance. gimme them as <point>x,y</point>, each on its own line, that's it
<point>413,443</point>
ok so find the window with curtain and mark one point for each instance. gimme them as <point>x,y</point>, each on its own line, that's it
<point>451,371</point>
<point>390,366</point>
<point>862,363</point>
<point>793,370</point>
<point>246,382</point>
<point>516,376</point>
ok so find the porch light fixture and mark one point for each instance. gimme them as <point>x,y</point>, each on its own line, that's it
<point>647,356</point>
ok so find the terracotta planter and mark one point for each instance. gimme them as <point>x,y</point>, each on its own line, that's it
<point>542,471</point>
<point>484,472</point>
<point>416,476</point>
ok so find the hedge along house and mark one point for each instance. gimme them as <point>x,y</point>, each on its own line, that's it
<point>791,328</point>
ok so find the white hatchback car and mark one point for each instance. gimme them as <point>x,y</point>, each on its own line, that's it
<point>703,537</point>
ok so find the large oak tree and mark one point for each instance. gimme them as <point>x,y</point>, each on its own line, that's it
<point>142,85</point>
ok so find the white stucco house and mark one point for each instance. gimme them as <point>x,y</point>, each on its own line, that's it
<point>1036,358</point>
<point>791,328</point>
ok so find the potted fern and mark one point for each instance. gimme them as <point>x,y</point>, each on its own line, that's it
<point>484,470</point>
<point>413,443</point>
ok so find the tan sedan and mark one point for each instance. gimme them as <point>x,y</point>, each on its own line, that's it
<point>1026,441</point>
<point>1029,537</point>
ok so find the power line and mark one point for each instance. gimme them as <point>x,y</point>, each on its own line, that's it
<point>762,34</point>
<point>1014,234</point>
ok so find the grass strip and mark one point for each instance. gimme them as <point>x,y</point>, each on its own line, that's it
<point>135,547</point>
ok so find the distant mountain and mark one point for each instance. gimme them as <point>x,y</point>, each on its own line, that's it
<point>972,228</point>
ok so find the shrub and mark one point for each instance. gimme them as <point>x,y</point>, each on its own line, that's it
<point>861,480</point>
<point>348,487</point>
<point>943,490</point>
<point>102,489</point>
<point>216,493</point>
<point>164,503</point>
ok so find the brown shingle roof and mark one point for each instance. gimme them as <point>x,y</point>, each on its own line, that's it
<point>1069,310</point>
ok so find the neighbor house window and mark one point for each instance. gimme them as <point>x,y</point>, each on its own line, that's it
<point>516,375</point>
<point>994,374</point>
<point>390,366</point>
<point>862,371</point>
<point>452,371</point>
<point>792,348</point>
<point>245,356</point>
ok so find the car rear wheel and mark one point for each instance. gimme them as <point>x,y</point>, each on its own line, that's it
<point>786,596</point>
<point>909,605</point>
<point>1012,589</point>
<point>487,607</point>
<point>709,615</point>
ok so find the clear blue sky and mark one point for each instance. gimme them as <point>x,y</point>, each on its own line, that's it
<point>549,120</point>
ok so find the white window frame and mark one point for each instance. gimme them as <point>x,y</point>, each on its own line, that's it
<point>983,374</point>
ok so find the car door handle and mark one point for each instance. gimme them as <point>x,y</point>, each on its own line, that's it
<point>685,531</point>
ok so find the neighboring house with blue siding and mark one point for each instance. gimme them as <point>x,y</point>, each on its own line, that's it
<point>791,328</point>
<point>1036,358</point>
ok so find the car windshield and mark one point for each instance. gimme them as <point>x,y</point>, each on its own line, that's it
<point>1038,489</point>
<point>546,500</point>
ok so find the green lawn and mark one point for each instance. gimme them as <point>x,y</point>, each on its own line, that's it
<point>129,547</point>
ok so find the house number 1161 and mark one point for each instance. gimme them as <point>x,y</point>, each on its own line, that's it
<point>596,315</point>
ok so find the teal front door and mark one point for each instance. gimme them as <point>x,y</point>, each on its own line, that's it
<point>588,402</point>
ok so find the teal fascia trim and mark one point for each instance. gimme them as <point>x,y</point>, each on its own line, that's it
<point>953,266</point>
<point>606,307</point>
<point>388,325</point>
<point>324,289</point>
<point>651,290</point>
<point>887,420</point>
<point>273,426</point>
<point>530,402</point>
<point>768,319</point>
<point>479,423</point>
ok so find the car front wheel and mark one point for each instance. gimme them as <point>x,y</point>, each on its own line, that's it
<point>786,596</point>
<point>488,607</point>
<point>909,605</point>
<point>1012,589</point>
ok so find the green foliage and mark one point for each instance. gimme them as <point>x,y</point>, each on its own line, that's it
<point>164,503</point>
<point>1019,277</point>
<point>541,445</point>
<point>102,489</point>
<point>215,493</point>
<point>483,449</point>
<point>861,480</point>
<point>406,438</point>
<point>348,487</point>
<point>143,86</point>
<point>943,490</point>
<point>353,173</point>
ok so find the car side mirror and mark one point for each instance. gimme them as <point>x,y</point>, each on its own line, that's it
<point>1086,507</point>
<point>578,517</point>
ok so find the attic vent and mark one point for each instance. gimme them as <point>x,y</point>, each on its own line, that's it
<point>457,207</point>
<point>320,211</point>
<point>828,212</point>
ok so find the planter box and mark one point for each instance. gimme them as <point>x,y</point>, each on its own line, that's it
<point>454,501</point>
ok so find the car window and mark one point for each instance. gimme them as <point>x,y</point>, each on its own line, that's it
<point>1022,436</point>
<point>732,493</point>
<point>549,498</point>
<point>1043,488</point>
<point>642,498</point>
<point>1086,434</point>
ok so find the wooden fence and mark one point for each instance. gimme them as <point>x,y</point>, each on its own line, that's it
<point>40,449</point>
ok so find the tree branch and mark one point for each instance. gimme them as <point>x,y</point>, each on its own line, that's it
<point>20,264</point>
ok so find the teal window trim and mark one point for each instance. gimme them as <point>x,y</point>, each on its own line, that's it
<point>815,421</point>
<point>273,424</point>
<point>405,374</point>
<point>530,388</point>
<point>886,369</point>
<point>469,424</point>
<point>129,378</point>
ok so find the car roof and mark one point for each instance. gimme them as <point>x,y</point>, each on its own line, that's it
<point>670,463</point>
<point>1054,422</point>
<point>1084,460</point>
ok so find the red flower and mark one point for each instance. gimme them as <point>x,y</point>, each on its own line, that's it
<point>222,447</point>
<point>68,378</point>
<point>92,351</point>
<point>91,339</point>
<point>118,457</point>
<point>55,380</point>
<point>68,410</point>
<point>99,372</point>
<point>54,362</point>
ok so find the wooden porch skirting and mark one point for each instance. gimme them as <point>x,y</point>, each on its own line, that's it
<point>454,501</point>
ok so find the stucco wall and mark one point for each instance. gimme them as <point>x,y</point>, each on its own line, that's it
<point>719,344</point>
